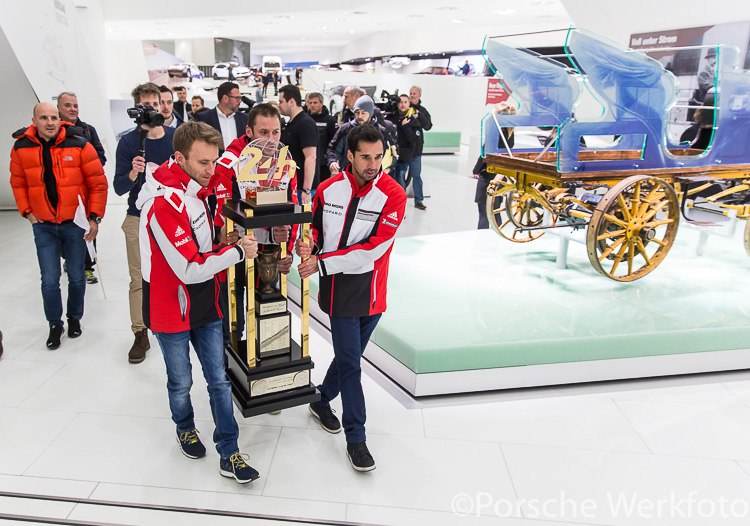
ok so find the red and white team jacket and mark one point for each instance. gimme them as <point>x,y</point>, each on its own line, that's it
<point>179,261</point>
<point>353,231</point>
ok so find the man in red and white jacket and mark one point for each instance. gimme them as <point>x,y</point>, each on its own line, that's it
<point>179,263</point>
<point>263,122</point>
<point>355,217</point>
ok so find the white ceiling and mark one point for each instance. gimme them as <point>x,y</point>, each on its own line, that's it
<point>293,26</point>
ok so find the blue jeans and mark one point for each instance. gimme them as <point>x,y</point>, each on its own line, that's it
<point>350,337</point>
<point>50,240</point>
<point>415,169</point>
<point>207,342</point>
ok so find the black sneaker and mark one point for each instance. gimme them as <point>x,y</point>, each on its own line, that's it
<point>235,467</point>
<point>190,445</point>
<point>55,333</point>
<point>359,456</point>
<point>74,328</point>
<point>90,278</point>
<point>325,417</point>
<point>419,205</point>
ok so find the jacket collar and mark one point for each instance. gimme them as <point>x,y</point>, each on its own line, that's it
<point>355,185</point>
<point>170,174</point>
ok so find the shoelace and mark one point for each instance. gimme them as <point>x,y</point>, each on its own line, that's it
<point>191,437</point>
<point>238,460</point>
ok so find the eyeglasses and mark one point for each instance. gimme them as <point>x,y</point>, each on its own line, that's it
<point>238,97</point>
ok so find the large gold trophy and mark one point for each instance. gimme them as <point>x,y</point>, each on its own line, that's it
<point>268,370</point>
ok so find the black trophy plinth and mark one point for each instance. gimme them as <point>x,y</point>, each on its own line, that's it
<point>275,374</point>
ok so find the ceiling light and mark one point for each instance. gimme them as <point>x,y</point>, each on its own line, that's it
<point>321,27</point>
<point>414,16</point>
<point>283,16</point>
<point>359,13</point>
<point>351,31</point>
<point>458,21</point>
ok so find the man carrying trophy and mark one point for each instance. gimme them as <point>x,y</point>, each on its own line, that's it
<point>355,217</point>
<point>179,264</point>
<point>263,125</point>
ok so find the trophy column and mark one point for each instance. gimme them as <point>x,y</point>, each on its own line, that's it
<point>232,289</point>
<point>269,371</point>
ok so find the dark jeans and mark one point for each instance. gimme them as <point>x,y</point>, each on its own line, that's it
<point>50,239</point>
<point>207,342</point>
<point>350,337</point>
<point>415,170</point>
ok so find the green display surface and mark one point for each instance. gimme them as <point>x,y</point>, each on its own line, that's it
<point>472,300</point>
<point>442,139</point>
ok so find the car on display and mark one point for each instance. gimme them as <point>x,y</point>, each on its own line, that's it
<point>185,69</point>
<point>436,70</point>
<point>271,63</point>
<point>221,71</point>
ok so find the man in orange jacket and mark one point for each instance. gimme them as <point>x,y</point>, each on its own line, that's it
<point>51,165</point>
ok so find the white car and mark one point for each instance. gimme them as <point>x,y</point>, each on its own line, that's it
<point>185,69</point>
<point>221,71</point>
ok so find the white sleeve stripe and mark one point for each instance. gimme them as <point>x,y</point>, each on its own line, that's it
<point>356,258</point>
<point>186,271</point>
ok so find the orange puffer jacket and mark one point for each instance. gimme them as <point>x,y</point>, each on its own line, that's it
<point>76,167</point>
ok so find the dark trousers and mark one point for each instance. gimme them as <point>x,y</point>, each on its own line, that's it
<point>344,376</point>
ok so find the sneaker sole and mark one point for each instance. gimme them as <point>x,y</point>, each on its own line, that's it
<point>316,417</point>
<point>183,451</point>
<point>357,468</point>
<point>230,475</point>
<point>130,360</point>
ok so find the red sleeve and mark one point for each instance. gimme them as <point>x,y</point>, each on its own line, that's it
<point>19,183</point>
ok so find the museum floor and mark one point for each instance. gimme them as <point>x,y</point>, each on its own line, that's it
<point>82,423</point>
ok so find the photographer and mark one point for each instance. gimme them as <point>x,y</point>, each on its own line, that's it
<point>129,178</point>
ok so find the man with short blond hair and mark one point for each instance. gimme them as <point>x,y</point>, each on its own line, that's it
<point>180,263</point>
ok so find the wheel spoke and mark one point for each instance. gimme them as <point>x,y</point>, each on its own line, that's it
<point>636,198</point>
<point>618,258</point>
<point>655,210</point>
<point>654,224</point>
<point>659,242</point>
<point>642,250</point>
<point>607,235</point>
<point>613,219</point>
<point>630,255</point>
<point>610,248</point>
<point>624,207</point>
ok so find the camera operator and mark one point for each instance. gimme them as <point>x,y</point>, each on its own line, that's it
<point>129,169</point>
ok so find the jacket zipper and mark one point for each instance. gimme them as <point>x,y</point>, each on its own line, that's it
<point>375,289</point>
<point>46,197</point>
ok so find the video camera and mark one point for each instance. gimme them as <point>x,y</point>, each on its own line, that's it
<point>390,106</point>
<point>146,115</point>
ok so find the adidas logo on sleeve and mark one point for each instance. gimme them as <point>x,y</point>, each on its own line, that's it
<point>179,231</point>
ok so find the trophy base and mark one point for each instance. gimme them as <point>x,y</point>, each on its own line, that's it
<point>276,383</point>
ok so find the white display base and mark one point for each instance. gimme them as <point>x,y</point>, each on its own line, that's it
<point>480,380</point>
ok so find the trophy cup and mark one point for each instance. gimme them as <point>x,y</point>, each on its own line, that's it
<point>268,370</point>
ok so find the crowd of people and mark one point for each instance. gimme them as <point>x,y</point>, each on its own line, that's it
<point>176,176</point>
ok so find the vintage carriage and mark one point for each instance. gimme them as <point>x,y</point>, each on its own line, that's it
<point>629,194</point>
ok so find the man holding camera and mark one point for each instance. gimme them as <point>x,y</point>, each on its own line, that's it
<point>129,169</point>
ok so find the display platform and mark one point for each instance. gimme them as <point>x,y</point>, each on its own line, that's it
<point>471,311</point>
<point>442,142</point>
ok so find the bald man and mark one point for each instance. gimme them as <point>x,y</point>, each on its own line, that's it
<point>50,168</point>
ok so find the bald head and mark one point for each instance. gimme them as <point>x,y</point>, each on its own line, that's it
<point>42,106</point>
<point>47,120</point>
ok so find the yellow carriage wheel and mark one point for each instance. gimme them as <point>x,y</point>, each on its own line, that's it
<point>499,208</point>
<point>633,227</point>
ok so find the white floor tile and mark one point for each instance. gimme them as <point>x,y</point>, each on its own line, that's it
<point>411,472</point>
<point>17,338</point>
<point>409,517</point>
<point>35,508</point>
<point>92,447</point>
<point>590,487</point>
<point>209,500</point>
<point>25,434</point>
<point>20,378</point>
<point>578,422</point>
<point>705,431</point>
<point>740,389</point>
<point>46,486</point>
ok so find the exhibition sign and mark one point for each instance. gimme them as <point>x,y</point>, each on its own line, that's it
<point>496,92</point>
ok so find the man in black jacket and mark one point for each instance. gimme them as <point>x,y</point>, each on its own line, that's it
<point>407,127</point>
<point>422,116</point>
<point>327,127</point>
<point>67,106</point>
<point>224,117</point>
<point>181,105</point>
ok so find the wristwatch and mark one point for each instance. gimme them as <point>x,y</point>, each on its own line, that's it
<point>308,192</point>
<point>94,217</point>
